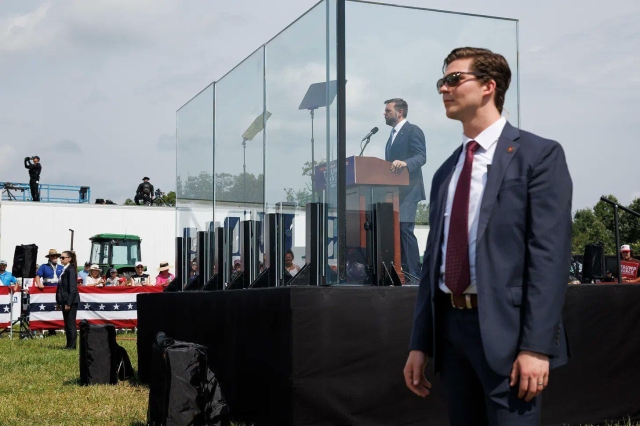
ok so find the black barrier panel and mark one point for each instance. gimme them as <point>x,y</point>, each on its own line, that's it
<point>334,355</point>
<point>316,250</point>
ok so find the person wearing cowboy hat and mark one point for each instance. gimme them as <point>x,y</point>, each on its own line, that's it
<point>95,277</point>
<point>48,274</point>
<point>625,256</point>
<point>144,192</point>
<point>164,277</point>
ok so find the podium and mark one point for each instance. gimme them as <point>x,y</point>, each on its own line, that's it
<point>369,181</point>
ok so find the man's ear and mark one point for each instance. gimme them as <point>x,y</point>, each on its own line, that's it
<point>489,87</point>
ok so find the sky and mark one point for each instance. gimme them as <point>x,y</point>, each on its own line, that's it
<point>92,87</point>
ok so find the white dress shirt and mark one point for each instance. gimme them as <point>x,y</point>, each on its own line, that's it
<point>482,158</point>
<point>397,128</point>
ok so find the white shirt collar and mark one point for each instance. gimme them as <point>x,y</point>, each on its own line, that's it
<point>399,125</point>
<point>488,136</point>
<point>65,266</point>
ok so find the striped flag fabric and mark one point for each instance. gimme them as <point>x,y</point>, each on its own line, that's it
<point>5,306</point>
<point>98,305</point>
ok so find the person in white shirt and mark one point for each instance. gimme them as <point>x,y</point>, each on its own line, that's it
<point>95,277</point>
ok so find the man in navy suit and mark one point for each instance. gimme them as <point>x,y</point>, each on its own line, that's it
<point>494,276</point>
<point>406,148</point>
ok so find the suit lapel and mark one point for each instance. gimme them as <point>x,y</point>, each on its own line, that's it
<point>506,150</point>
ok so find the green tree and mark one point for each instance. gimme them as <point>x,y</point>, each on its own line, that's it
<point>170,199</point>
<point>598,225</point>
<point>422,215</point>
<point>589,229</point>
<point>630,226</point>
<point>129,202</point>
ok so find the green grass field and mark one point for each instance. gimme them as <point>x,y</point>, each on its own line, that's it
<point>39,386</point>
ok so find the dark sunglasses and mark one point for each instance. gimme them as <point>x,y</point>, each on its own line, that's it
<point>65,257</point>
<point>453,79</point>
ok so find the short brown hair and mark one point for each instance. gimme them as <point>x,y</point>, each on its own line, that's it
<point>493,65</point>
<point>399,104</point>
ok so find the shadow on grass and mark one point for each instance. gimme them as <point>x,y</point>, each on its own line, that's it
<point>72,382</point>
<point>137,424</point>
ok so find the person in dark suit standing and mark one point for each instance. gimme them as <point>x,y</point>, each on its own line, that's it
<point>494,276</point>
<point>67,296</point>
<point>35,168</point>
<point>406,148</point>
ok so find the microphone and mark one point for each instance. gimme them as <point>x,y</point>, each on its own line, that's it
<point>371,133</point>
<point>368,139</point>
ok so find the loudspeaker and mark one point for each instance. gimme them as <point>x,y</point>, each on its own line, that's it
<point>593,265</point>
<point>24,261</point>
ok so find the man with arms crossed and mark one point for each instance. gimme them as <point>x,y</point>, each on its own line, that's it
<point>494,276</point>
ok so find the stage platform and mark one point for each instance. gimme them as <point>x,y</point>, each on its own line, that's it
<point>334,355</point>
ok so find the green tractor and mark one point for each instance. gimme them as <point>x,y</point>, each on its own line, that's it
<point>121,251</point>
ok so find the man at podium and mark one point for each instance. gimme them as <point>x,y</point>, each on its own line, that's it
<point>406,148</point>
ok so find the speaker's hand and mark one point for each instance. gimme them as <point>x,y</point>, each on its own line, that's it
<point>397,166</point>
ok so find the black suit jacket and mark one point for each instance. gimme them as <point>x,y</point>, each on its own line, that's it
<point>410,146</point>
<point>67,290</point>
<point>523,252</point>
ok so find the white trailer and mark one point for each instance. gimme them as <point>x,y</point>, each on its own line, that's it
<point>47,225</point>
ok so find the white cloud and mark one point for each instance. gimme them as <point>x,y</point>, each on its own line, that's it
<point>167,143</point>
<point>110,74</point>
<point>7,155</point>
<point>24,32</point>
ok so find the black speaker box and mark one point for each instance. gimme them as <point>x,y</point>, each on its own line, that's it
<point>24,261</point>
<point>593,266</point>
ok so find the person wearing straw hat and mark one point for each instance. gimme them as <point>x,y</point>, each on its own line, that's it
<point>626,256</point>
<point>95,277</point>
<point>48,274</point>
<point>164,277</point>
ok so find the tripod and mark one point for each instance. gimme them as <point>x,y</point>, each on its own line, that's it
<point>6,190</point>
<point>23,319</point>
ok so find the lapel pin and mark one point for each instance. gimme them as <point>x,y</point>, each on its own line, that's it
<point>510,149</point>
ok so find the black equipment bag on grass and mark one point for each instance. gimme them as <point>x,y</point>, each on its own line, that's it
<point>102,360</point>
<point>183,390</point>
<point>125,369</point>
<point>98,349</point>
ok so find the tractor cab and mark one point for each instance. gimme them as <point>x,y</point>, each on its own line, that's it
<point>121,251</point>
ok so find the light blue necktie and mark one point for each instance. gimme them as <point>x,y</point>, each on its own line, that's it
<point>387,153</point>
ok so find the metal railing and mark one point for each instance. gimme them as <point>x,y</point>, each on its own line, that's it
<point>49,193</point>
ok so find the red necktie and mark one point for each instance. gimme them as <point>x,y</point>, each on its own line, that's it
<point>457,276</point>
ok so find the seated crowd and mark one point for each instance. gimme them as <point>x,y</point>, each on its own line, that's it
<point>92,276</point>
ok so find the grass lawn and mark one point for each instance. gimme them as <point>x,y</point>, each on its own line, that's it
<point>39,386</point>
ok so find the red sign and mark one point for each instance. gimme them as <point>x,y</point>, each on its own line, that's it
<point>629,270</point>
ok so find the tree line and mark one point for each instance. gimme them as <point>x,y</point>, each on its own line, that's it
<point>594,225</point>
